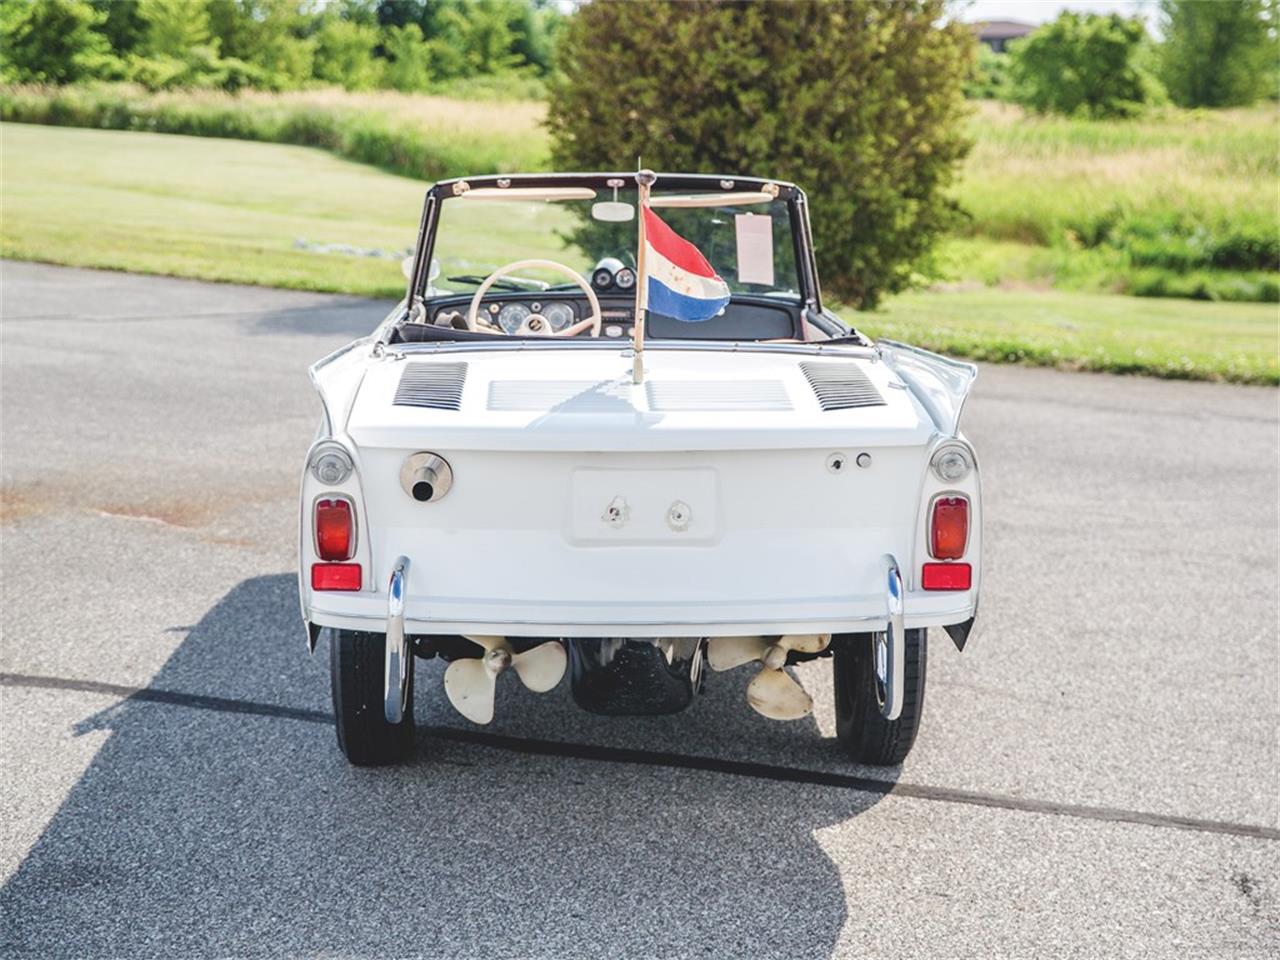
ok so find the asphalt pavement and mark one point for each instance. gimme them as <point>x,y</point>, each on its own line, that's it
<point>1096,774</point>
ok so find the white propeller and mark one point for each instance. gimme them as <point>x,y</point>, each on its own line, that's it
<point>470,684</point>
<point>772,693</point>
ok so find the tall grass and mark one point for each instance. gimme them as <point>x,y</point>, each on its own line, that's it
<point>1181,190</point>
<point>426,137</point>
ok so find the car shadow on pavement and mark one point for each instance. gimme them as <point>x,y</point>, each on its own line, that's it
<point>201,831</point>
<point>337,316</point>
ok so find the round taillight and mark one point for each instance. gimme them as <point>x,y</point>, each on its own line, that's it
<point>952,463</point>
<point>330,463</point>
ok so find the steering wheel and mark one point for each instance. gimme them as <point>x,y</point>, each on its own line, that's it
<point>536,324</point>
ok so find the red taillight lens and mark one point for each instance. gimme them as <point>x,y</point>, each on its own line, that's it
<point>335,576</point>
<point>335,539</point>
<point>946,576</point>
<point>949,529</point>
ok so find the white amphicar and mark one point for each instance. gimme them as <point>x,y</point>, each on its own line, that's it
<point>529,467</point>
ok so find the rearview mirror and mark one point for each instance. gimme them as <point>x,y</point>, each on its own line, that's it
<point>613,211</point>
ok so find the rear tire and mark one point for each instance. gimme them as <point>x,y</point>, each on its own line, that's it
<point>356,667</point>
<point>860,729</point>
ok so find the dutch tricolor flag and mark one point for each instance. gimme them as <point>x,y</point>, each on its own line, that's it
<point>681,284</point>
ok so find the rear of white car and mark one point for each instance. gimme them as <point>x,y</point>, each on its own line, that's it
<point>543,496</point>
<point>717,499</point>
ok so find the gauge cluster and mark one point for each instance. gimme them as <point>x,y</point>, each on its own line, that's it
<point>532,316</point>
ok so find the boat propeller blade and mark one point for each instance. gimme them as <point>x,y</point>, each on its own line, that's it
<point>773,692</point>
<point>725,653</point>
<point>541,668</point>
<point>471,683</point>
<point>776,695</point>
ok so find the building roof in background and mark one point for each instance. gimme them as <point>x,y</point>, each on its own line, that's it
<point>1001,29</point>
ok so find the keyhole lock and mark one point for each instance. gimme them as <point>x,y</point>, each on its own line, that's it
<point>617,513</point>
<point>678,516</point>
<point>837,462</point>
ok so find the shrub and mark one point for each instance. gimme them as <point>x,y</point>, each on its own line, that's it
<point>861,102</point>
<point>1085,64</point>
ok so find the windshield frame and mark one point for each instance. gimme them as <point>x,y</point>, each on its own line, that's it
<point>809,293</point>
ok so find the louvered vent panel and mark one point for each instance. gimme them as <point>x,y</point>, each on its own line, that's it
<point>673,396</point>
<point>561,396</point>
<point>434,385</point>
<point>841,386</point>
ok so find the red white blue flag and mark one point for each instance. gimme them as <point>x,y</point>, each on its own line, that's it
<point>681,282</point>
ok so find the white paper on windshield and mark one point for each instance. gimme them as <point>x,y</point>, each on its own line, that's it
<point>755,248</point>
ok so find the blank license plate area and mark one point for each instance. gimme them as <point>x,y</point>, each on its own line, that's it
<point>668,507</point>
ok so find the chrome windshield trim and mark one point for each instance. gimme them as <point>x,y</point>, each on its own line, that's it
<point>716,346</point>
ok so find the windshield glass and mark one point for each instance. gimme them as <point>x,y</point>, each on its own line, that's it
<point>750,246</point>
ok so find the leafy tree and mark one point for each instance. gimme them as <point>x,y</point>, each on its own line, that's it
<point>408,65</point>
<point>344,54</point>
<point>53,41</point>
<point>538,25</point>
<point>860,102</point>
<point>1217,54</point>
<point>266,33</point>
<point>990,77</point>
<point>482,31</point>
<point>174,28</point>
<point>176,48</point>
<point>124,25</point>
<point>1085,64</point>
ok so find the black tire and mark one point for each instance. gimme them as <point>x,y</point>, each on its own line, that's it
<point>355,671</point>
<point>860,730</point>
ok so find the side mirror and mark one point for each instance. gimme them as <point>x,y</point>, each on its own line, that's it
<point>613,211</point>
<point>406,267</point>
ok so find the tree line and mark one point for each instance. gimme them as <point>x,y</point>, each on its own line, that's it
<point>407,45</point>
<point>1214,53</point>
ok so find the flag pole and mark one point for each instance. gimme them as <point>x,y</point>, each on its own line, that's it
<point>644,180</point>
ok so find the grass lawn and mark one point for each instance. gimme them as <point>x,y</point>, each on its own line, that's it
<point>1185,339</point>
<point>195,207</point>
<point>235,210</point>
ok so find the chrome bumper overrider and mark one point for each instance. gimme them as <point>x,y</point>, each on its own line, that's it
<point>889,646</point>
<point>395,687</point>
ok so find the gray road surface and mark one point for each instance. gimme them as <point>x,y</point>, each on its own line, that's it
<point>1096,775</point>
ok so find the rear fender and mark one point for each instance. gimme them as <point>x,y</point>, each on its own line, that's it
<point>940,384</point>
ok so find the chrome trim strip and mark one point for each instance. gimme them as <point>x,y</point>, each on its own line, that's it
<point>685,625</point>
<point>890,649</point>
<point>624,623</point>
<point>396,679</point>
<point>721,346</point>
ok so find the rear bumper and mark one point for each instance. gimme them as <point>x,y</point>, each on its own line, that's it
<point>523,618</point>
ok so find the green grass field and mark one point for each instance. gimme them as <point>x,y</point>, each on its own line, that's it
<point>1177,203</point>
<point>236,211</point>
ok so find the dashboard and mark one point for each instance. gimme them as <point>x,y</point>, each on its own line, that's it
<point>537,314</point>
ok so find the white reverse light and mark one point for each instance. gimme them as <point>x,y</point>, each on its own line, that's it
<point>951,464</point>
<point>331,464</point>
